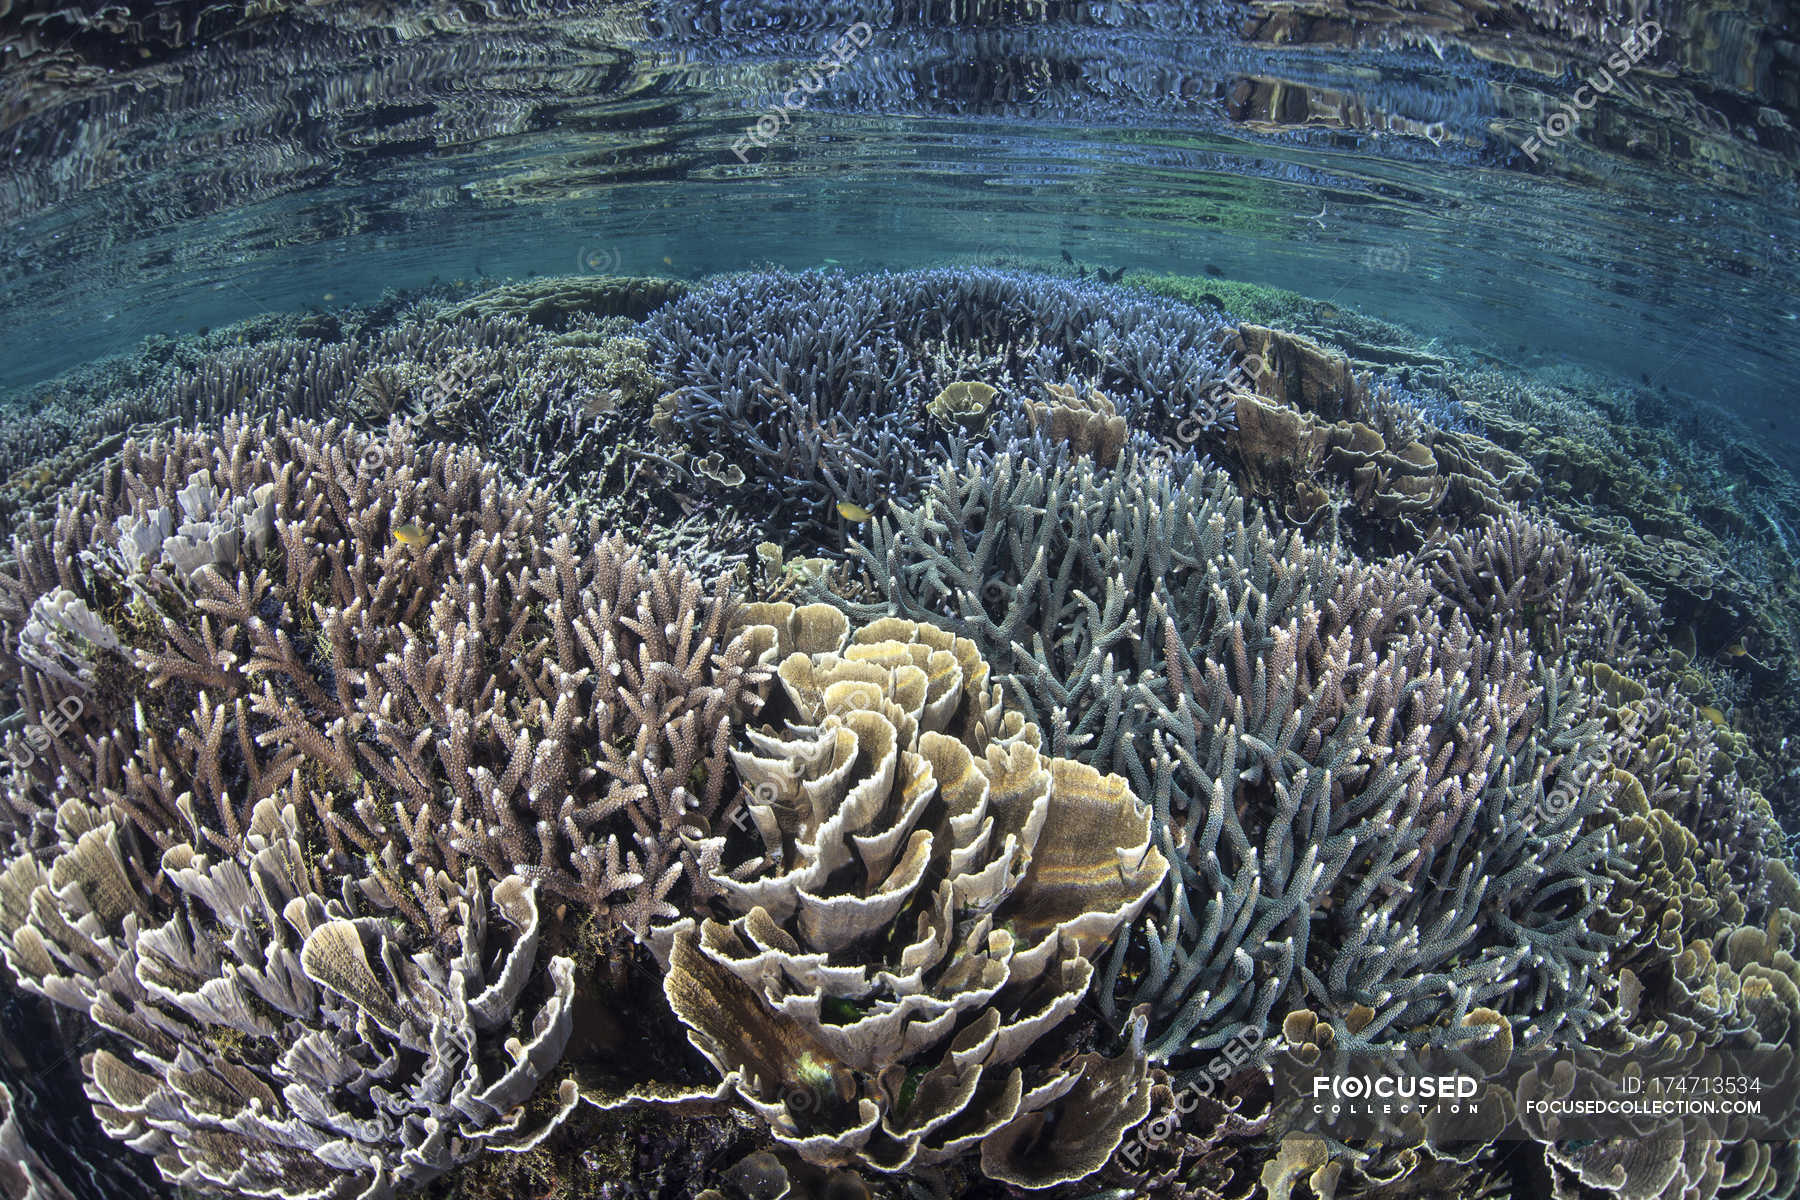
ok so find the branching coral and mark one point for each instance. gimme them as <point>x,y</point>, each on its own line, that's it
<point>1354,786</point>
<point>822,382</point>
<point>915,918</point>
<point>486,694</point>
<point>1522,572</point>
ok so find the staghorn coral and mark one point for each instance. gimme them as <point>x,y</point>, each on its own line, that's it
<point>1350,780</point>
<point>487,694</point>
<point>285,1040</point>
<point>821,383</point>
<point>1524,572</point>
<point>914,918</point>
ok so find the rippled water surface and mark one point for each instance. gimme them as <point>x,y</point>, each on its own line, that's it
<point>176,167</point>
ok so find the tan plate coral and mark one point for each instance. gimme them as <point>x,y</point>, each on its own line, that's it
<point>896,956</point>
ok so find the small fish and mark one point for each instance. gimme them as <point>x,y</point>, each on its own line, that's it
<point>409,534</point>
<point>329,297</point>
<point>1210,269</point>
<point>1111,276</point>
<point>853,512</point>
<point>667,261</point>
<point>1068,258</point>
<point>1736,650</point>
<point>1712,714</point>
<point>1675,487</point>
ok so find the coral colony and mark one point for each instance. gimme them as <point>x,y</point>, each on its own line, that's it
<point>1133,725</point>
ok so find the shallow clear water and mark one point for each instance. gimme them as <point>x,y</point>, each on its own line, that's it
<point>277,166</point>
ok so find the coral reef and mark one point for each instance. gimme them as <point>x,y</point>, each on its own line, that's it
<point>1311,419</point>
<point>283,1039</point>
<point>490,694</point>
<point>820,384</point>
<point>1193,710</point>
<point>899,796</point>
<point>567,408</point>
<point>1345,771</point>
<point>1702,534</point>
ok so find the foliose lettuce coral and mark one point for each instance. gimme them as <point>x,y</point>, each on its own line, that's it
<point>908,930</point>
<point>285,1041</point>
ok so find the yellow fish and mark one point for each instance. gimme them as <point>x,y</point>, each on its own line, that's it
<point>1712,714</point>
<point>1736,650</point>
<point>667,261</point>
<point>409,534</point>
<point>853,512</point>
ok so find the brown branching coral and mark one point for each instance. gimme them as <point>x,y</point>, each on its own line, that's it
<point>915,917</point>
<point>434,666</point>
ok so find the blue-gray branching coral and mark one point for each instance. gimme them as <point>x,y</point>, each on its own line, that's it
<point>818,384</point>
<point>913,916</point>
<point>1367,803</point>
